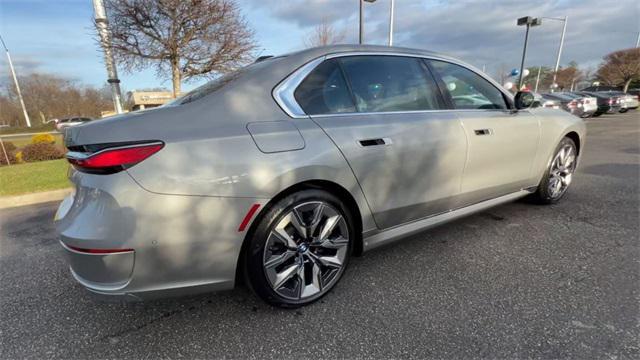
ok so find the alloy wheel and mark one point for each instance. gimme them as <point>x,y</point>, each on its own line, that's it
<point>561,173</point>
<point>306,251</point>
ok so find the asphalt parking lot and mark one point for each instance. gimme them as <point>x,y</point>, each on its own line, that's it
<point>517,281</point>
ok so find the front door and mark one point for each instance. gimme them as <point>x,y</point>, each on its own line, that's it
<point>502,143</point>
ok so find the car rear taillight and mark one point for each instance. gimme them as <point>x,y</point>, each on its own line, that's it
<point>114,159</point>
<point>572,104</point>
<point>611,102</point>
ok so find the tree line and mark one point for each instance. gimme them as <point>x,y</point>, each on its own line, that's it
<point>618,69</point>
<point>49,96</point>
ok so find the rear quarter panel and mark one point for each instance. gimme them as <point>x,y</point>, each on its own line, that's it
<point>209,149</point>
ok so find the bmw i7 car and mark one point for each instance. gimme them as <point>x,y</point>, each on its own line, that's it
<point>278,173</point>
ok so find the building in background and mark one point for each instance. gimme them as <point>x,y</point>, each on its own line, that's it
<point>140,100</point>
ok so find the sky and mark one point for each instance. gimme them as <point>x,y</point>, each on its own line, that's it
<point>57,36</point>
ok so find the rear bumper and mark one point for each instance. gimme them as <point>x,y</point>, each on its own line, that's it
<point>179,244</point>
<point>107,272</point>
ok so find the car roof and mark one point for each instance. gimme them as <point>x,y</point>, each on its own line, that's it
<point>306,55</point>
<point>571,94</point>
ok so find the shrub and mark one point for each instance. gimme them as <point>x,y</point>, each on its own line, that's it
<point>18,157</point>
<point>43,138</point>
<point>3,159</point>
<point>10,148</point>
<point>41,152</point>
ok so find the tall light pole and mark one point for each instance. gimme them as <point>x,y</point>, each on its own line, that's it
<point>15,82</point>
<point>392,5</point>
<point>361,29</point>
<point>564,30</point>
<point>529,22</point>
<point>538,78</point>
<point>105,41</point>
<point>638,40</point>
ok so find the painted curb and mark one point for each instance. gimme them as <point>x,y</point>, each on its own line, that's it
<point>35,198</point>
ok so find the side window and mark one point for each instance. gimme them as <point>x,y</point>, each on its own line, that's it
<point>390,83</point>
<point>324,91</point>
<point>468,90</point>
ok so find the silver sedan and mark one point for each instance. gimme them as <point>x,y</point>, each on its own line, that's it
<point>278,173</point>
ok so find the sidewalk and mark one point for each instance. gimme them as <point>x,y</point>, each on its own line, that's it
<point>34,198</point>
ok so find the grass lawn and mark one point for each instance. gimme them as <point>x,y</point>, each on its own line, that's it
<point>33,177</point>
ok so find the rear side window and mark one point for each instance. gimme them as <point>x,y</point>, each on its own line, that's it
<point>468,90</point>
<point>325,91</point>
<point>390,83</point>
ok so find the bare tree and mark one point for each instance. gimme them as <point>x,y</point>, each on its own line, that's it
<point>50,96</point>
<point>567,77</point>
<point>620,68</point>
<point>187,38</point>
<point>324,34</point>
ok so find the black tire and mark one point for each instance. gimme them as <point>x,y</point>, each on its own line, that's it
<point>622,111</point>
<point>543,194</point>
<point>255,254</point>
<point>596,114</point>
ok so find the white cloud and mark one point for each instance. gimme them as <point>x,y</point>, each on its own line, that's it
<point>479,32</point>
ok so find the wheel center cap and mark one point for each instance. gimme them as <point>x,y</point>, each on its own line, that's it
<point>302,248</point>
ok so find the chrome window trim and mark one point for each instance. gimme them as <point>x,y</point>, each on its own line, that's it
<point>283,93</point>
<point>506,111</point>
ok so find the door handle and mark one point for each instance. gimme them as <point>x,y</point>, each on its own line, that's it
<point>375,142</point>
<point>483,132</point>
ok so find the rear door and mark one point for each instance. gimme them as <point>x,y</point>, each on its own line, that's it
<point>406,153</point>
<point>502,143</point>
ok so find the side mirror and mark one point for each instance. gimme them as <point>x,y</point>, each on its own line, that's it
<point>523,100</point>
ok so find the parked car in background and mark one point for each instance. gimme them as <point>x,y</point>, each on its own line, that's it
<point>291,165</point>
<point>589,104</point>
<point>607,104</point>
<point>61,124</point>
<point>635,92</point>
<point>540,101</point>
<point>627,101</point>
<point>569,104</point>
<point>599,88</point>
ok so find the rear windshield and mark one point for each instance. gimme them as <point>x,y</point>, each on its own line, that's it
<point>218,83</point>
<point>206,89</point>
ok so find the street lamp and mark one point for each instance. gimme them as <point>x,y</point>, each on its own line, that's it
<point>564,30</point>
<point>105,42</point>
<point>529,22</point>
<point>15,81</point>
<point>361,31</point>
<point>392,5</point>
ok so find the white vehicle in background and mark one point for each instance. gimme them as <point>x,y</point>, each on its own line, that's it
<point>589,104</point>
<point>627,101</point>
<point>61,124</point>
<point>540,101</point>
